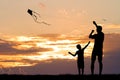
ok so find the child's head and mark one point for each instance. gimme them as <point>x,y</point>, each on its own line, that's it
<point>78,46</point>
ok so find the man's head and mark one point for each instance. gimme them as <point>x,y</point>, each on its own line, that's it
<point>99,29</point>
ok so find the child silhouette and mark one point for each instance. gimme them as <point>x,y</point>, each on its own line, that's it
<point>80,58</point>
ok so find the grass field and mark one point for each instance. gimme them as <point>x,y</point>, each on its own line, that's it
<point>59,77</point>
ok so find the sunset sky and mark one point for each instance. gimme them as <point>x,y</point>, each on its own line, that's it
<point>27,47</point>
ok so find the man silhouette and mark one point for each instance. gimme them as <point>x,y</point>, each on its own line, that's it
<point>98,47</point>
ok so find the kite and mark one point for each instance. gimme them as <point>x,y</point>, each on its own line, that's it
<point>35,16</point>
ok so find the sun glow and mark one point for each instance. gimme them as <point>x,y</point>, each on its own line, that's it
<point>21,38</point>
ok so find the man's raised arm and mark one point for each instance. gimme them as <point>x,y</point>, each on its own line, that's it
<point>95,24</point>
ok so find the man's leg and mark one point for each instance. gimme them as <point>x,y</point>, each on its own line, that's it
<point>92,63</point>
<point>82,71</point>
<point>100,64</point>
<point>79,71</point>
<point>78,65</point>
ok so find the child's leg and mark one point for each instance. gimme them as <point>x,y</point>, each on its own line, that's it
<point>78,65</point>
<point>82,71</point>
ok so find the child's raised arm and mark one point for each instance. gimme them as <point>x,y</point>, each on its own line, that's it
<point>87,45</point>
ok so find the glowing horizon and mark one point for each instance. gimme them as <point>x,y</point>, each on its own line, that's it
<point>30,49</point>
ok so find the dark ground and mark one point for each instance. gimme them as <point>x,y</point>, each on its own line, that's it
<point>59,77</point>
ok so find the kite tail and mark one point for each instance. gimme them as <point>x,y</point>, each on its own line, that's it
<point>45,23</point>
<point>37,14</point>
<point>42,22</point>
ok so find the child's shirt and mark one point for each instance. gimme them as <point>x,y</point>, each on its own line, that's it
<point>80,54</point>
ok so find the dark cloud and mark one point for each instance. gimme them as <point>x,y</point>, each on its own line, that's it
<point>49,35</point>
<point>7,47</point>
